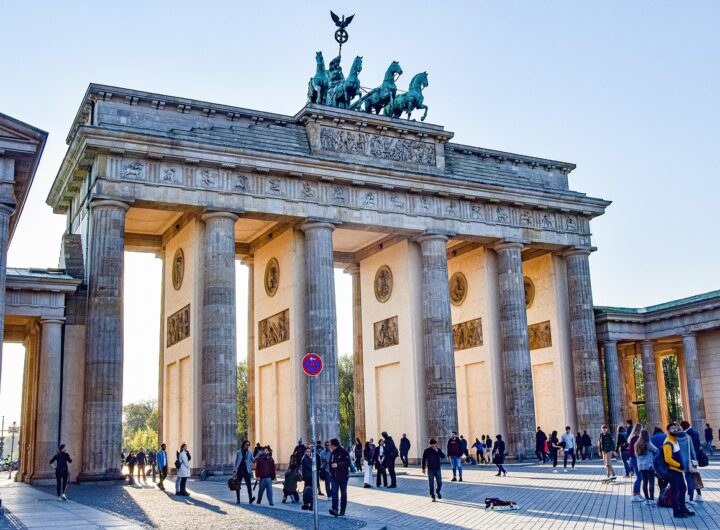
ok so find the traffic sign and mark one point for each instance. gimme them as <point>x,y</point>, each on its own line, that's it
<point>312,364</point>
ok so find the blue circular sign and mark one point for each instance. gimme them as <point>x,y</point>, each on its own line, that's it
<point>312,364</point>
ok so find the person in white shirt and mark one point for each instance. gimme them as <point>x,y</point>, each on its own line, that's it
<point>567,440</point>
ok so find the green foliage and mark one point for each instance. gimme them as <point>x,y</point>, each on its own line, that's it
<point>242,409</point>
<point>346,399</point>
<point>140,425</point>
<point>672,387</point>
<point>639,390</point>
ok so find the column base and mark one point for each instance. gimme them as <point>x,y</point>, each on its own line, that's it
<point>110,477</point>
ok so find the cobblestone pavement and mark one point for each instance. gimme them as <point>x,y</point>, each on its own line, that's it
<point>574,500</point>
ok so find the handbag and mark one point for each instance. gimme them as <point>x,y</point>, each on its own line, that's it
<point>703,460</point>
<point>233,484</point>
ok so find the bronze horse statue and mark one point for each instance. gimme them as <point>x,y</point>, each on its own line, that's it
<point>383,95</point>
<point>318,85</point>
<point>411,100</point>
<point>342,94</point>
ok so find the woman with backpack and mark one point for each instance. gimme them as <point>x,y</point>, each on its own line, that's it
<point>644,452</point>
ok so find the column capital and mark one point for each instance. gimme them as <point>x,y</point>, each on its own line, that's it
<point>52,320</point>
<point>109,203</point>
<point>506,244</point>
<point>434,235</point>
<point>312,223</point>
<point>578,251</point>
<point>609,342</point>
<point>248,261</point>
<point>692,334</point>
<point>219,215</point>
<point>353,269</point>
<point>647,342</point>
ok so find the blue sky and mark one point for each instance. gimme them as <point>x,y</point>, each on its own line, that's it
<point>626,90</point>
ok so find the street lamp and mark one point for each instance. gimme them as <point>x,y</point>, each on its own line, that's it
<point>13,429</point>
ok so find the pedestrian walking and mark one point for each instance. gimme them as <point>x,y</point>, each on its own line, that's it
<point>162,463</point>
<point>325,467</point>
<point>708,439</point>
<point>686,439</point>
<point>131,461</point>
<point>540,439</point>
<point>60,461</point>
<point>488,448</point>
<point>632,440</point>
<point>645,451</point>
<point>432,461</point>
<point>265,473</point>
<point>183,470</point>
<point>368,453</point>
<point>499,455</point>
<point>673,461</point>
<point>391,454</point>
<point>464,446</point>
<point>306,468</point>
<point>141,462</point>
<point>621,447</point>
<point>479,451</point>
<point>454,451</point>
<point>152,462</point>
<point>258,449</point>
<point>358,452</point>
<point>339,475</point>
<point>242,471</point>
<point>298,453</point>
<point>606,446</point>
<point>587,445</point>
<point>404,449</point>
<point>379,459</point>
<point>554,446</point>
<point>292,477</point>
<point>568,443</point>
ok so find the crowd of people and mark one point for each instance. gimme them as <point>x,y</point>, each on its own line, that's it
<point>671,457</point>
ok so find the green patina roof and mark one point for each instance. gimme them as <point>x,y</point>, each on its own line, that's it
<point>659,307</point>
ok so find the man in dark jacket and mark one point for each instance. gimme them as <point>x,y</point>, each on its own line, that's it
<point>404,449</point>
<point>61,460</point>
<point>306,468</point>
<point>265,472</point>
<point>540,439</point>
<point>587,444</point>
<point>298,453</point>
<point>339,475</point>
<point>708,439</point>
<point>432,460</point>
<point>391,453</point>
<point>454,451</point>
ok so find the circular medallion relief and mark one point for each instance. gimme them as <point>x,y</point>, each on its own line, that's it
<point>458,288</point>
<point>529,292</point>
<point>272,277</point>
<point>178,269</point>
<point>383,284</point>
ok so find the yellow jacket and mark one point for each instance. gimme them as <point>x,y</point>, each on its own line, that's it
<point>668,449</point>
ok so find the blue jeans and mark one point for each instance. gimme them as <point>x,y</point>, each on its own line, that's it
<point>690,485</point>
<point>626,464</point>
<point>339,486</point>
<point>709,447</point>
<point>638,478</point>
<point>434,481</point>
<point>265,485</point>
<point>570,453</point>
<point>456,465</point>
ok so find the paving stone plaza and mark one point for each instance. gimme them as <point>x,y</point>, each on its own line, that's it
<point>576,500</point>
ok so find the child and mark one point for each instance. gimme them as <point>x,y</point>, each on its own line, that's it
<point>290,484</point>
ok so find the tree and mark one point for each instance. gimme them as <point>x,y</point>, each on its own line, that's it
<point>140,425</point>
<point>242,409</point>
<point>346,400</point>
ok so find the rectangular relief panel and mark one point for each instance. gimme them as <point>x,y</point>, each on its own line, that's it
<point>274,330</point>
<point>540,335</point>
<point>178,326</point>
<point>386,333</point>
<point>468,334</point>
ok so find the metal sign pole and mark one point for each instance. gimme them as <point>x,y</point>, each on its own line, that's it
<point>314,457</point>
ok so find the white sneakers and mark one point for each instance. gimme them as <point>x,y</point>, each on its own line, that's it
<point>637,498</point>
<point>566,470</point>
<point>555,470</point>
<point>699,498</point>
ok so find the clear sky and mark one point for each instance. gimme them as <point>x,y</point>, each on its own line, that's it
<point>626,90</point>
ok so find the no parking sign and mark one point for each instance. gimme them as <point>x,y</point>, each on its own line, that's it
<point>312,364</point>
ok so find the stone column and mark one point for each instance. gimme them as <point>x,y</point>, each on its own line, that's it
<point>5,213</point>
<point>102,434</point>
<point>359,374</point>
<point>694,383</point>
<point>250,263</point>
<point>652,397</point>
<point>48,388</point>
<point>614,388</point>
<point>219,345</point>
<point>161,357</point>
<point>583,343</point>
<point>439,349</point>
<point>322,324</point>
<point>515,348</point>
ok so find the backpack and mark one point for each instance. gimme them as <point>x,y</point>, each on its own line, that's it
<point>659,464</point>
<point>665,498</point>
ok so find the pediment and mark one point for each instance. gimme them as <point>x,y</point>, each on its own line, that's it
<point>18,136</point>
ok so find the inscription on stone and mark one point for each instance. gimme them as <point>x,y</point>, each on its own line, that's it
<point>178,269</point>
<point>540,335</point>
<point>375,146</point>
<point>383,284</point>
<point>272,277</point>
<point>274,330</point>
<point>468,334</point>
<point>386,333</point>
<point>178,326</point>
<point>458,288</point>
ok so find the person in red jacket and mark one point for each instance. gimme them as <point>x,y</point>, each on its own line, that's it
<point>265,472</point>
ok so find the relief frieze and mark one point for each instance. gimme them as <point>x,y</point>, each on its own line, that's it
<point>376,146</point>
<point>540,335</point>
<point>178,326</point>
<point>274,330</point>
<point>468,334</point>
<point>386,333</point>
